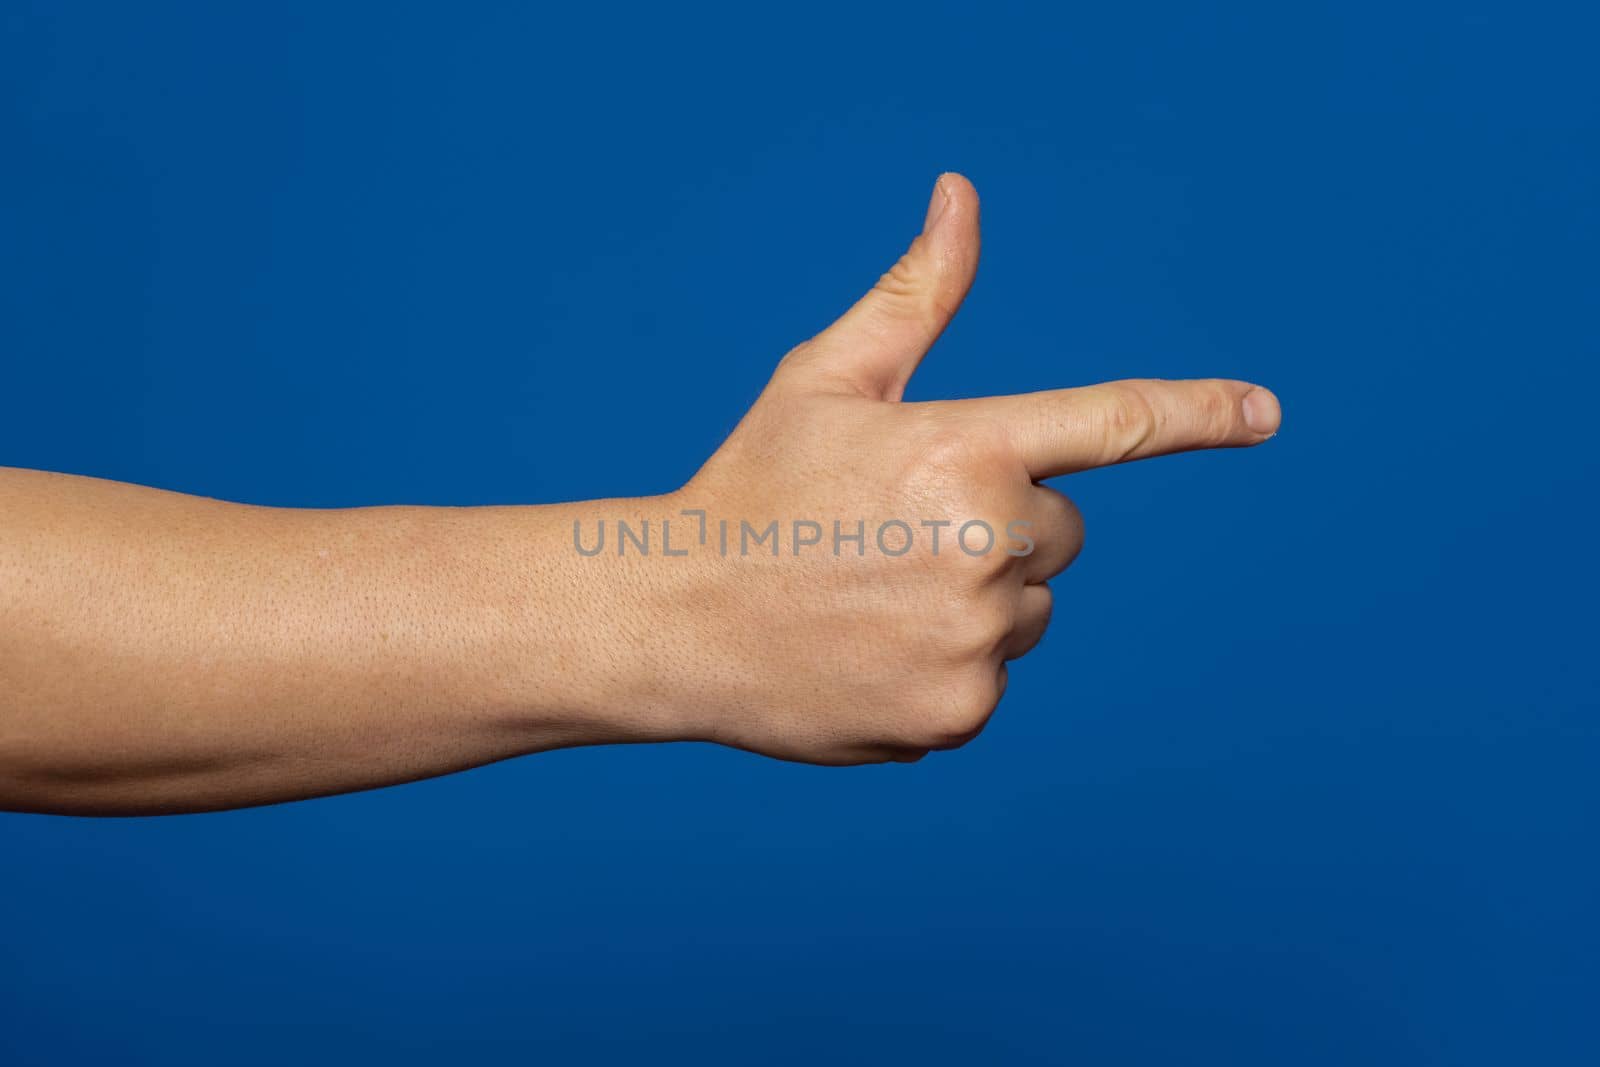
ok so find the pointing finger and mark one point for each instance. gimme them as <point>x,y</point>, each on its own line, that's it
<point>1061,431</point>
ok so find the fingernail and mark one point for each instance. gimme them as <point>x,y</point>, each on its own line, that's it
<point>936,205</point>
<point>1261,412</point>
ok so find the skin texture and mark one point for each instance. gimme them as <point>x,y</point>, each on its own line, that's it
<point>165,653</point>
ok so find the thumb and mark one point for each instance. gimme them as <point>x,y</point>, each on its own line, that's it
<point>875,346</point>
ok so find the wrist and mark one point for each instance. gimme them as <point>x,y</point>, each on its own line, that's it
<point>604,640</point>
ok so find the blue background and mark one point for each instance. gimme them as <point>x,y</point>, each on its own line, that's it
<point>1307,769</point>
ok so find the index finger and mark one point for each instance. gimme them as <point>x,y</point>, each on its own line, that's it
<point>1061,431</point>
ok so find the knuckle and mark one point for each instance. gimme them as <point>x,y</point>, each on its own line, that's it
<point>1218,412</point>
<point>993,624</point>
<point>1129,420</point>
<point>970,703</point>
<point>1221,413</point>
<point>970,574</point>
<point>949,710</point>
<point>959,478</point>
<point>975,628</point>
<point>798,356</point>
<point>967,466</point>
<point>796,365</point>
<point>902,285</point>
<point>798,352</point>
<point>916,289</point>
<point>966,450</point>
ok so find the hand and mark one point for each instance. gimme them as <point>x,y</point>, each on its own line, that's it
<point>843,653</point>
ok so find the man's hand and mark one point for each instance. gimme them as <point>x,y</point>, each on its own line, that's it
<point>848,651</point>
<point>165,653</point>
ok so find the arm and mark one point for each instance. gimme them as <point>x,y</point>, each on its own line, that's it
<point>161,652</point>
<point>166,653</point>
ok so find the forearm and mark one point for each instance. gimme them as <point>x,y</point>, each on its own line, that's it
<point>160,652</point>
